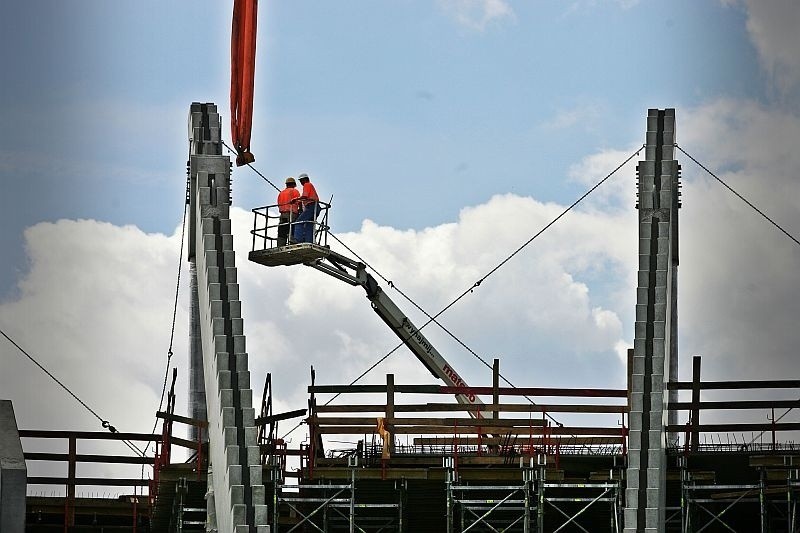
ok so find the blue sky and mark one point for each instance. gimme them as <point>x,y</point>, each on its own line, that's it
<point>448,131</point>
<point>397,101</point>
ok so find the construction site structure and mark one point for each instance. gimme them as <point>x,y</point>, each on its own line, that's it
<point>531,459</point>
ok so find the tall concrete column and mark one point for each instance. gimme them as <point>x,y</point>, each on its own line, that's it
<point>13,473</point>
<point>236,490</point>
<point>654,345</point>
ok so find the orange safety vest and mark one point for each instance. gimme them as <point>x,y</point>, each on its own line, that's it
<point>309,193</point>
<point>285,197</point>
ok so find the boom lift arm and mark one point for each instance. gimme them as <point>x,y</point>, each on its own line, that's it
<point>355,273</point>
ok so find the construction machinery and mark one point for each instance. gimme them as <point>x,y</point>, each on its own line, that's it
<point>318,255</point>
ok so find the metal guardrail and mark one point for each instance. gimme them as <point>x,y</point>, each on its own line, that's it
<point>268,227</point>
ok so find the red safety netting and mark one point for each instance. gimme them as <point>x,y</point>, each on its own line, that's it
<point>243,69</point>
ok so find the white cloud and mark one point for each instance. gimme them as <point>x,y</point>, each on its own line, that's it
<point>738,276</point>
<point>585,115</point>
<point>477,14</point>
<point>772,25</point>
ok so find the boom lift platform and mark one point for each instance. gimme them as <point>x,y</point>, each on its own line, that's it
<point>319,256</point>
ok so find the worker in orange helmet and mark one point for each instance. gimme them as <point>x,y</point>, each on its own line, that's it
<point>288,208</point>
<point>309,201</point>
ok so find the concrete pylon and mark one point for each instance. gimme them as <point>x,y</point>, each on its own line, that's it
<point>655,336</point>
<point>13,473</point>
<point>236,489</point>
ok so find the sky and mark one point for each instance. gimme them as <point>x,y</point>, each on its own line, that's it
<point>448,132</point>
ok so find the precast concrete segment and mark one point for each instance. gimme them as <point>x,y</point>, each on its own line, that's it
<point>237,491</point>
<point>197,390</point>
<point>645,494</point>
<point>13,473</point>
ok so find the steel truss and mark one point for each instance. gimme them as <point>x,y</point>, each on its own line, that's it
<point>335,509</point>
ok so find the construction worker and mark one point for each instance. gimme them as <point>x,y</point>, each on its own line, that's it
<point>309,202</point>
<point>289,208</point>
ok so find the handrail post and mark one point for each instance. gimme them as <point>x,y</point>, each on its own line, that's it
<point>695,416</point>
<point>389,413</point>
<point>69,516</point>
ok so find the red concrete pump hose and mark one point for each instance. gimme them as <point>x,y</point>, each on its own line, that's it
<point>243,69</point>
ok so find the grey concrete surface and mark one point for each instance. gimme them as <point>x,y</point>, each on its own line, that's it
<point>13,473</point>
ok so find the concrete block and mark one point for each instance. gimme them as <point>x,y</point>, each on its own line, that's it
<point>656,419</point>
<point>210,257</point>
<point>229,417</point>
<point>239,516</point>
<point>13,472</point>
<point>654,496</point>
<point>656,401</point>
<point>214,292</point>
<point>220,344</point>
<point>251,436</point>
<point>243,380</point>
<point>630,520</point>
<point>637,401</point>
<point>635,440</point>
<point>253,455</point>
<point>652,520</point>
<point>226,398</point>
<point>255,475</point>
<point>231,274</point>
<point>261,512</point>
<point>237,494</point>
<point>248,417</point>
<point>235,475</point>
<point>656,436</point>
<point>634,462</point>
<point>224,380</point>
<point>637,365</point>
<point>235,309</point>
<point>239,344</point>
<point>231,455</point>
<point>228,259</point>
<point>258,494</point>
<point>241,361</point>
<point>246,398</point>
<point>237,326</point>
<point>209,243</point>
<point>233,291</point>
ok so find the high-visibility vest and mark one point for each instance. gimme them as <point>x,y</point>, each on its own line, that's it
<point>310,193</point>
<point>285,197</point>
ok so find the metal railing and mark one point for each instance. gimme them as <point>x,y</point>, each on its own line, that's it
<point>268,228</point>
